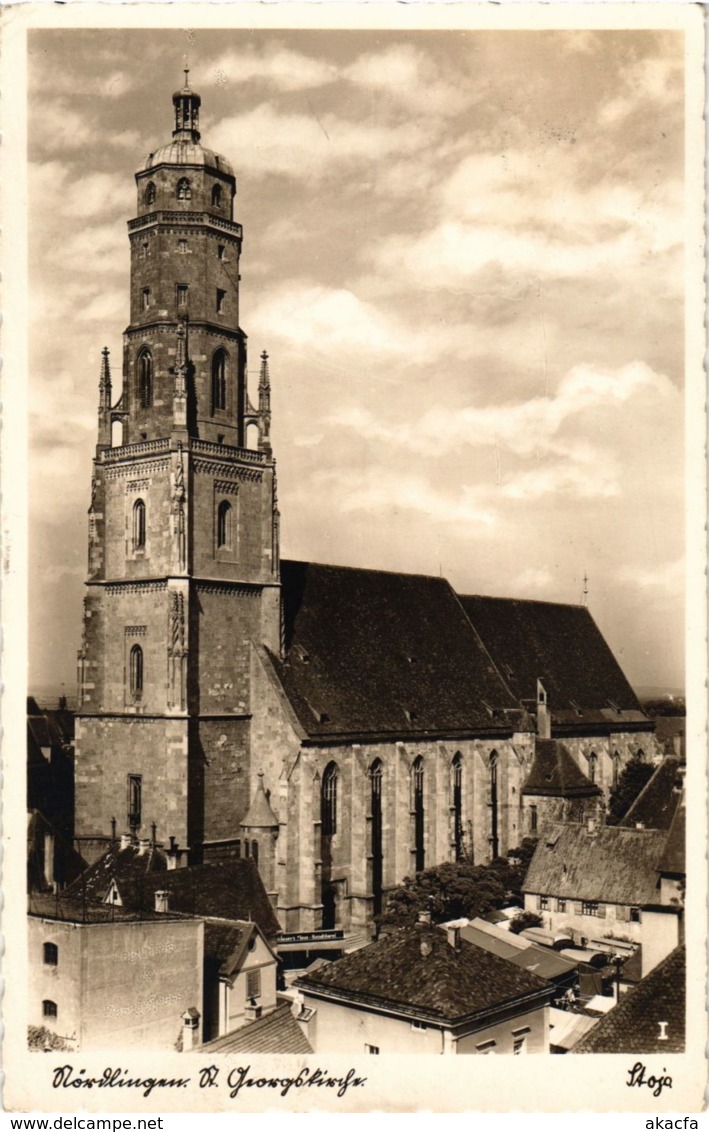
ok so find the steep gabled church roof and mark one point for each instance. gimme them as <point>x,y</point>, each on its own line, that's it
<point>562,646</point>
<point>375,653</point>
<point>554,773</point>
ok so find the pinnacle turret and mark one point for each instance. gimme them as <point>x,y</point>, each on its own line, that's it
<point>187,104</point>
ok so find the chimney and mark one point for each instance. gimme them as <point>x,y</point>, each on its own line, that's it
<point>640,825</point>
<point>453,937</point>
<point>543,717</point>
<point>426,948</point>
<point>49,859</point>
<point>162,900</point>
<point>591,824</point>
<point>143,846</point>
<point>126,841</point>
<point>173,855</point>
<point>252,1011</point>
<point>190,1029</point>
<point>424,918</point>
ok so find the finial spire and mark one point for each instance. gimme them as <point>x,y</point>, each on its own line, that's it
<point>187,105</point>
<point>104,384</point>
<point>585,589</point>
<point>264,405</point>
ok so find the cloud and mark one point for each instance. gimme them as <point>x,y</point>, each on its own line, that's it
<point>668,578</point>
<point>403,74</point>
<point>533,579</point>
<point>275,66</point>
<point>309,146</point>
<point>654,79</point>
<point>369,491</point>
<point>524,427</point>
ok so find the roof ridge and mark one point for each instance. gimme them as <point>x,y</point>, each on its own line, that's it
<point>366,570</point>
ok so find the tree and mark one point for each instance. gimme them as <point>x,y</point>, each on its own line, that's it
<point>632,779</point>
<point>525,920</point>
<point>447,891</point>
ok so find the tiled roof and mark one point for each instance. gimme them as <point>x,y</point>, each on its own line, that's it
<point>523,953</point>
<point>416,971</point>
<point>634,1025</point>
<point>554,773</point>
<point>610,865</point>
<point>657,802</point>
<point>223,939</point>
<point>673,861</point>
<point>277,1032</point>
<point>375,653</point>
<point>230,889</point>
<point>562,646</point>
<point>129,866</point>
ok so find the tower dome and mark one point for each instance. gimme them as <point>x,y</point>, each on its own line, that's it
<point>185,148</point>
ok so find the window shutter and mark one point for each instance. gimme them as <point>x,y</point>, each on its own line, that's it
<point>253,984</point>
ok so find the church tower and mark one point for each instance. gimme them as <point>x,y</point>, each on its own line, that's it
<point>183,572</point>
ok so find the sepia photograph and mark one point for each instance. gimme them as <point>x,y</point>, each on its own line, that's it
<point>364,500</point>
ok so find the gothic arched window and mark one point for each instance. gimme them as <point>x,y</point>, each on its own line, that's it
<point>224,524</point>
<point>138,525</point>
<point>145,379</point>
<point>494,827</point>
<point>375,799</point>
<point>457,782</point>
<point>149,193</point>
<point>217,196</point>
<point>328,800</point>
<point>218,380</point>
<point>135,800</point>
<point>136,671</point>
<point>418,785</point>
<point>592,766</point>
<point>616,768</point>
<point>184,189</point>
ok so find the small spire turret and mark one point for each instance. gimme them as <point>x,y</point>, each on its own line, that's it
<point>264,405</point>
<point>104,384</point>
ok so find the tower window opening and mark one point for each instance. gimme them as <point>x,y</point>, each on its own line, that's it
<point>135,800</point>
<point>182,293</point>
<point>224,525</point>
<point>216,196</point>
<point>50,954</point>
<point>218,380</point>
<point>145,249</point>
<point>184,189</point>
<point>221,251</point>
<point>418,785</point>
<point>139,525</point>
<point>150,193</point>
<point>328,800</point>
<point>182,247</point>
<point>146,298</point>
<point>145,379</point>
<point>221,299</point>
<point>457,777</point>
<point>136,672</point>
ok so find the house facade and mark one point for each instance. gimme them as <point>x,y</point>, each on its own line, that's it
<point>107,981</point>
<point>424,989</point>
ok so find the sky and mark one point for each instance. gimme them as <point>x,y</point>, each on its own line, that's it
<point>463,251</point>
